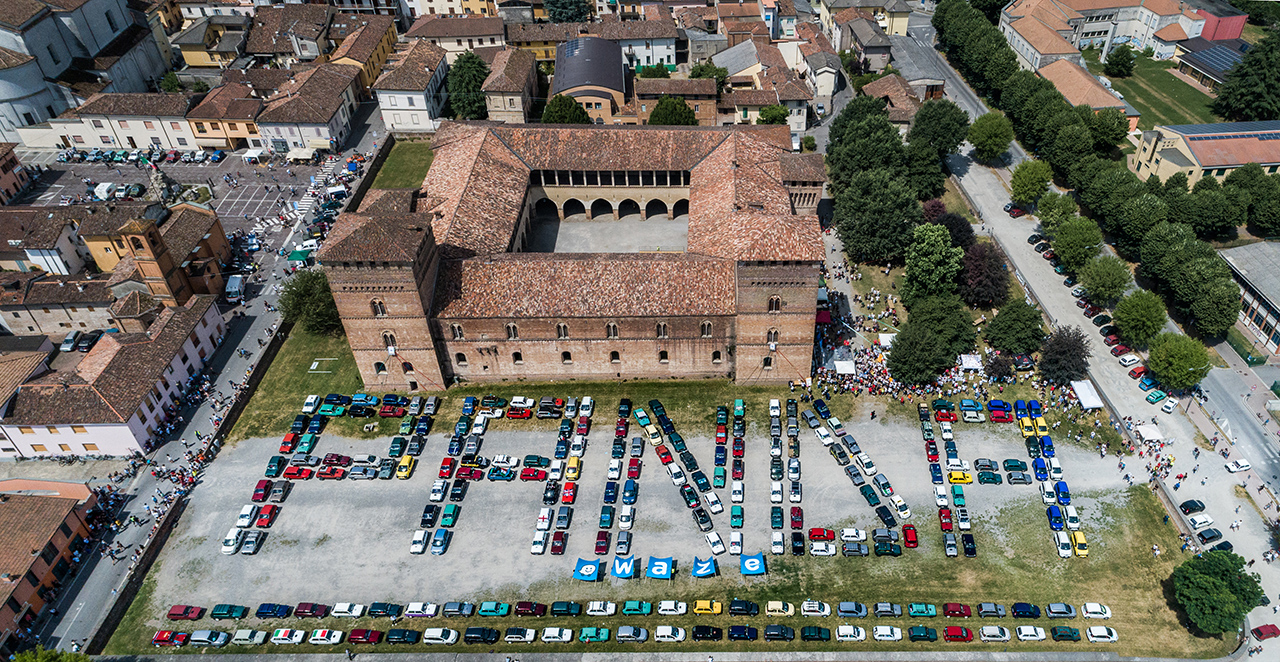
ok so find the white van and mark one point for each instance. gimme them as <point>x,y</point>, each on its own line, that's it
<point>235,289</point>
<point>231,542</point>
<point>1073,518</point>
<point>1055,468</point>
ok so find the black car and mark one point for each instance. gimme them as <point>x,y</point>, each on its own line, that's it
<point>814,633</point>
<point>742,633</point>
<point>822,409</point>
<point>797,543</point>
<point>657,408</point>
<point>88,340</point>
<point>1209,535</point>
<point>970,547</point>
<point>619,450</point>
<point>299,424</point>
<point>1042,247</point>
<point>687,459</point>
<point>1109,330</point>
<point>360,411</point>
<point>885,516</point>
<point>1025,610</point>
<point>565,608</point>
<point>792,409</point>
<point>479,635</point>
<point>702,519</point>
<point>611,492</point>
<point>429,515</point>
<point>707,633</point>
<point>551,494</point>
<point>739,607</point>
<point>1101,320</point>
<point>402,636</point>
<point>624,408</point>
<point>416,444</point>
<point>1033,239</point>
<point>272,610</point>
<point>779,633</point>
<point>1191,507</point>
<point>385,610</point>
<point>337,399</point>
<point>459,491</point>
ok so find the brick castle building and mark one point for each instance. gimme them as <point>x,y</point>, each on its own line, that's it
<point>438,285</point>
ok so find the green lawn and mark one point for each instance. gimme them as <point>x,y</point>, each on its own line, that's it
<point>1161,97</point>
<point>406,166</point>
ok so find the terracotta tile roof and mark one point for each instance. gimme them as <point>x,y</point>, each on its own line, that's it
<point>149,104</point>
<point>27,524</point>
<point>185,229</point>
<point>273,25</point>
<point>10,58</point>
<point>77,288</point>
<point>611,148</point>
<point>1044,39</point>
<point>262,80</point>
<point>602,285</point>
<point>414,68</point>
<point>364,39</point>
<point>389,201</point>
<point>35,228</point>
<point>1171,32</point>
<point>1078,86</point>
<point>676,87</point>
<point>345,24</point>
<point>1160,7</point>
<point>6,149</point>
<point>510,71</point>
<point>468,25</point>
<point>609,28</point>
<point>475,190</point>
<point>110,382</point>
<point>16,13</point>
<point>104,219</point>
<point>811,167</point>
<point>786,8</point>
<point>748,236</point>
<point>551,32</point>
<point>845,15</point>
<point>231,101</point>
<point>738,10</point>
<point>17,367</point>
<point>751,97</point>
<point>1053,13</point>
<point>902,102</point>
<point>134,304</point>
<point>1225,144</point>
<point>14,284</point>
<point>378,238</point>
<point>312,97</point>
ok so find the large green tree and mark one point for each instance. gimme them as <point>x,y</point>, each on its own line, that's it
<point>564,110</point>
<point>923,171</point>
<point>775,114</point>
<point>1017,328</point>
<point>1139,316</point>
<point>1065,357</point>
<point>940,124</point>
<point>1119,62</point>
<point>49,655</point>
<point>672,111</point>
<point>1251,93</point>
<point>990,136</point>
<point>1216,591</point>
<point>307,301</point>
<point>1216,307</point>
<point>1053,210</point>
<point>874,216</point>
<point>654,71</point>
<point>934,335</point>
<point>1137,217</point>
<point>1179,361</point>
<point>707,69</point>
<point>1105,278</point>
<point>568,11</point>
<point>1109,127</point>
<point>1077,241</point>
<point>466,77</point>
<point>985,280</point>
<point>931,265</point>
<point>1030,181</point>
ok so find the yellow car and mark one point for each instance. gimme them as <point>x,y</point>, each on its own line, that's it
<point>1042,428</point>
<point>1028,428</point>
<point>707,607</point>
<point>960,477</point>
<point>1078,544</point>
<point>405,468</point>
<point>573,468</point>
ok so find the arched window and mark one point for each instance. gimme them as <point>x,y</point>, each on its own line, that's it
<point>715,356</point>
<point>379,309</point>
<point>380,368</point>
<point>457,331</point>
<point>460,358</point>
<point>706,329</point>
<point>406,367</point>
<point>662,356</point>
<point>611,330</point>
<point>614,357</point>
<point>388,339</point>
<point>562,331</point>
<point>662,329</point>
<point>566,357</point>
<point>775,304</point>
<point>517,357</point>
<point>772,336</point>
<point>137,244</point>
<point>768,363</point>
<point>513,332</point>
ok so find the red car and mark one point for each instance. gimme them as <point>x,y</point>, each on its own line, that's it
<point>1138,372</point>
<point>956,610</point>
<point>1001,416</point>
<point>1015,212</point>
<point>532,473</point>
<point>722,435</point>
<point>633,468</point>
<point>570,493</point>
<point>664,455</point>
<point>446,467</point>
<point>797,518</point>
<point>909,537</point>
<point>1265,632</point>
<point>530,609</point>
<point>470,473</point>
<point>389,411</point>
<point>737,469</point>
<point>1120,350</point>
<point>519,413</point>
<point>1092,311</point>
<point>557,542</point>
<point>739,447</point>
<point>363,636</point>
<point>289,443</point>
<point>931,449</point>
<point>332,473</point>
<point>1111,340</point>
<point>169,638</point>
<point>335,460</point>
<point>944,518</point>
<point>185,613</point>
<point>1048,255</point>
<point>956,633</point>
<point>311,610</point>
<point>261,491</point>
<point>299,473</point>
<point>584,425</point>
<point>943,415</point>
<point>817,535</point>
<point>1082,303</point>
<point>603,540</point>
<point>620,430</point>
<point>267,516</point>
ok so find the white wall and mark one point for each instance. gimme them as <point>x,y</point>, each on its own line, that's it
<point>648,52</point>
<point>63,259</point>
<point>115,439</point>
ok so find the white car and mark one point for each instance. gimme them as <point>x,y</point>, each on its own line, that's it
<point>677,476</point>
<point>1169,406</point>
<point>735,543</point>
<point>954,464</point>
<point>793,469</point>
<point>713,503</point>
<point>736,493</point>
<point>557,635</point>
<point>822,549</point>
<point>886,633</point>
<point>348,609</point>
<point>626,517</point>
<point>556,470</point>
<point>519,636</point>
<point>815,608</point>
<point>247,515</point>
<point>480,425</point>
<point>898,503</point>
<point>775,447</point>
<point>312,403</point>
<point>672,608</point>
<point>775,408</point>
<point>853,535</point>
<point>440,636</point>
<point>947,434</point>
<point>615,469</point>
<point>864,461</point>
<point>420,542</point>
<point>1047,494</point>
<point>1095,610</point>
<point>505,461</point>
<point>1062,543</point>
<point>438,489</point>
<point>1199,521</point>
<point>775,492</point>
<point>601,608</point>
<point>796,493</point>
<point>824,436</point>
<point>716,544</point>
<point>668,633</point>
<point>850,633</point>
<point>993,633</point>
<point>579,446</point>
<point>422,610</point>
<point>777,544</point>
<point>1128,360</point>
<point>1030,633</point>
<point>539,545</point>
<point>544,519</point>
<point>288,636</point>
<point>587,407</point>
<point>521,402</point>
<point>248,638</point>
<point>325,637</point>
<point>962,519</point>
<point>1239,465</point>
<point>1101,634</point>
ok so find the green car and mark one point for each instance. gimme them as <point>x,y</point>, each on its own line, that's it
<point>722,415</point>
<point>1064,633</point>
<point>921,609</point>
<point>536,461</point>
<point>943,405</point>
<point>739,408</point>
<point>593,635</point>
<point>1015,465</point>
<point>406,426</point>
<point>957,495</point>
<point>450,516</point>
<point>775,517</point>
<point>869,493</point>
<point>397,447</point>
<point>922,633</point>
<point>275,466</point>
<point>888,549</point>
<point>606,517</point>
<point>677,442</point>
<point>775,468</point>
<point>1061,270</point>
<point>717,479</point>
<point>735,517</point>
<point>332,410</point>
<point>636,608</point>
<point>221,612</point>
<point>814,633</point>
<point>307,443</point>
<point>989,478</point>
<point>566,428</point>
<point>1156,396</point>
<point>491,608</point>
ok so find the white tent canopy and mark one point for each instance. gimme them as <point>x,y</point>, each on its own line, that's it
<point>970,362</point>
<point>846,367</point>
<point>252,155</point>
<point>300,153</point>
<point>886,339</point>
<point>1149,432</point>
<point>1089,398</point>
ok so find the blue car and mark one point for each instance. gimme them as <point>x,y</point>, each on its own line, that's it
<point>1064,494</point>
<point>364,400</point>
<point>468,405</point>
<point>611,492</point>
<point>1041,468</point>
<point>218,155</point>
<point>1054,514</point>
<point>1148,382</point>
<point>272,610</point>
<point>562,449</point>
<point>935,471</point>
<point>722,456</point>
<point>423,427</point>
<point>1034,408</point>
<point>999,405</point>
<point>1020,409</point>
<point>1046,446</point>
<point>629,491</point>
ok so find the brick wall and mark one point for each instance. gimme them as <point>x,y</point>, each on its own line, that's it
<point>796,288</point>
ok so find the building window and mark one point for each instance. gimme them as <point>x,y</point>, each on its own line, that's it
<point>610,330</point>
<point>768,363</point>
<point>775,304</point>
<point>662,330</point>
<point>38,448</point>
<point>517,358</point>
<point>562,331</point>
<point>566,357</point>
<point>380,368</point>
<point>52,429</point>
<point>772,336</point>
<point>706,329</point>
<point>456,329</point>
<point>123,124</point>
<point>513,332</point>
<point>662,356</point>
<point>182,141</point>
<point>406,368</point>
<point>388,339</point>
<point>715,356</point>
<point>78,429</point>
<point>614,358</point>
<point>460,358</point>
<point>90,447</point>
<point>379,309</point>
<point>150,126</point>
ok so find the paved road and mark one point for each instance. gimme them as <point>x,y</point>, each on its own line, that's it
<point>1232,412</point>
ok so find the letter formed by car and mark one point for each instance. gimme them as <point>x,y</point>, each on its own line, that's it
<point>704,567</point>
<point>752,564</point>
<point>587,571</point>
<point>660,568</point>
<point>624,568</point>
